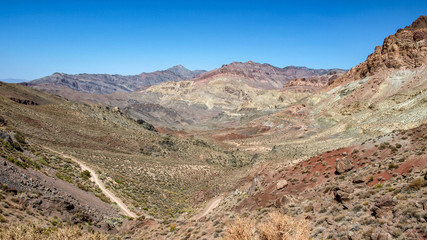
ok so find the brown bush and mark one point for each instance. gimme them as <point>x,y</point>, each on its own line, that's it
<point>241,229</point>
<point>36,232</point>
<point>276,227</point>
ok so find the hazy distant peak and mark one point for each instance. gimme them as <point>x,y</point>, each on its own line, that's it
<point>179,70</point>
<point>107,83</point>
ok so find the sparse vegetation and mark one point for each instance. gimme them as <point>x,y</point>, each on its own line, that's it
<point>85,175</point>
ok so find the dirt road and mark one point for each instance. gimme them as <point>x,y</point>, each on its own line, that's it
<point>94,178</point>
<point>213,203</point>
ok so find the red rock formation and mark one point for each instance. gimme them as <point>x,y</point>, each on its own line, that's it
<point>407,49</point>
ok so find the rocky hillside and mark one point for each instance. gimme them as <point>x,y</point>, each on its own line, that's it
<point>346,111</point>
<point>38,185</point>
<point>407,49</point>
<point>105,83</point>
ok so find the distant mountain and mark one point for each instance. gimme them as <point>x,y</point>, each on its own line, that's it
<point>222,97</point>
<point>263,76</point>
<point>13,80</point>
<point>106,83</point>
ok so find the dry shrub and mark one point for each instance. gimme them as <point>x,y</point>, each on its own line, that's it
<point>276,227</point>
<point>282,227</point>
<point>241,229</point>
<point>36,232</point>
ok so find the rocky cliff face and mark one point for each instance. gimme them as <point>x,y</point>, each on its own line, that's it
<point>106,84</point>
<point>407,49</point>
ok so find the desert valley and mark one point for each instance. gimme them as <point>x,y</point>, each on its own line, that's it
<point>244,151</point>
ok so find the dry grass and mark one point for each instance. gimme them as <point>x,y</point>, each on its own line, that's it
<point>241,229</point>
<point>279,227</point>
<point>36,232</point>
<point>276,227</point>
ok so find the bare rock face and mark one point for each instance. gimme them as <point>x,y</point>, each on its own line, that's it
<point>343,165</point>
<point>407,49</point>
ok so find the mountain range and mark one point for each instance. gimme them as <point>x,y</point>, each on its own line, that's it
<point>105,83</point>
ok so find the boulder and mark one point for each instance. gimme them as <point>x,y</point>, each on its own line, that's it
<point>281,202</point>
<point>343,165</point>
<point>379,234</point>
<point>384,207</point>
<point>343,193</point>
<point>358,180</point>
<point>5,137</point>
<point>281,184</point>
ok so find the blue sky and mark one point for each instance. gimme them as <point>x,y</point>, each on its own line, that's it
<point>38,38</point>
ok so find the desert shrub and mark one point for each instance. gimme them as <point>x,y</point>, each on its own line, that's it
<point>37,232</point>
<point>392,166</point>
<point>276,227</point>
<point>3,121</point>
<point>241,229</point>
<point>17,146</point>
<point>82,187</point>
<point>416,184</point>
<point>169,144</point>
<point>280,226</point>
<point>64,177</point>
<point>85,174</point>
<point>20,138</point>
<point>17,162</point>
<point>146,125</point>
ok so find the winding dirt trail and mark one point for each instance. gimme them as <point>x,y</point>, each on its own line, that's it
<point>94,178</point>
<point>213,203</point>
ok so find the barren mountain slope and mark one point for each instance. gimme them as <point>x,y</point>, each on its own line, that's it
<point>262,76</point>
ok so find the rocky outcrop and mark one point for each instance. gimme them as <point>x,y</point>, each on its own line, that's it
<point>407,49</point>
<point>314,83</point>
<point>343,165</point>
<point>24,101</point>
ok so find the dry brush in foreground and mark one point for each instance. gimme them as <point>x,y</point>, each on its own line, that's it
<point>276,227</point>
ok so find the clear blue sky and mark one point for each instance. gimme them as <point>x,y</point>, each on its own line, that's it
<point>40,37</point>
